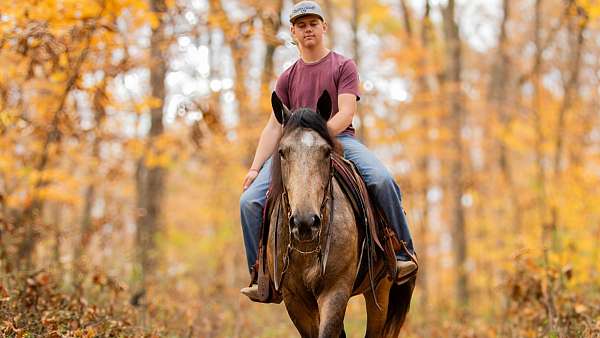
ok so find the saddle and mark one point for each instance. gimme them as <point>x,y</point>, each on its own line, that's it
<point>379,239</point>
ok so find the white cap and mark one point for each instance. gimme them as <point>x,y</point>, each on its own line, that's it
<point>305,8</point>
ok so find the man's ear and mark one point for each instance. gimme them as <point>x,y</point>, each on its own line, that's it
<point>281,112</point>
<point>292,34</point>
<point>324,105</point>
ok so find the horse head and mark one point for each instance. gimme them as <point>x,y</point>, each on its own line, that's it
<point>302,163</point>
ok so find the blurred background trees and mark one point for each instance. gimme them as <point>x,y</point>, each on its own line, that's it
<point>126,127</point>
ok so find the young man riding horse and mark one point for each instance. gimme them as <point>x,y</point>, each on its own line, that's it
<point>301,85</point>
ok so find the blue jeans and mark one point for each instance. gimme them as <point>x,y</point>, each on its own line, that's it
<point>380,183</point>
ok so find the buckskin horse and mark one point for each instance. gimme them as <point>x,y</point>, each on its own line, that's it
<point>314,246</point>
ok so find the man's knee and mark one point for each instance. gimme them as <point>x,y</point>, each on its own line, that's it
<point>383,181</point>
<point>249,201</point>
<point>245,200</point>
<point>380,180</point>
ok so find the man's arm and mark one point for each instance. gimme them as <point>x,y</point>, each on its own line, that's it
<point>347,108</point>
<point>266,145</point>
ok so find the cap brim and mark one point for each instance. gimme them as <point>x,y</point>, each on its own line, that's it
<point>294,19</point>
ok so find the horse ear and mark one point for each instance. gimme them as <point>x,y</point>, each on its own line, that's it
<point>282,113</point>
<point>324,105</point>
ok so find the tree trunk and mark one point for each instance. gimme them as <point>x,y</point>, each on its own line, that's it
<point>361,133</point>
<point>150,180</point>
<point>456,184</point>
<point>85,229</point>
<point>31,211</point>
<point>498,96</point>
<point>424,80</point>
<point>570,89</point>
<point>424,88</point>
<point>58,233</point>
<point>541,170</point>
<point>571,86</point>
<point>237,36</point>
<point>407,17</point>
<point>211,114</point>
<point>330,18</point>
<point>271,25</point>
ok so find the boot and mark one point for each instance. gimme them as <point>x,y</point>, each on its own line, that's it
<point>405,271</point>
<point>252,293</point>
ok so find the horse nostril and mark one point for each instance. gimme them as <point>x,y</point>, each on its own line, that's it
<point>306,221</point>
<point>316,221</point>
<point>293,223</point>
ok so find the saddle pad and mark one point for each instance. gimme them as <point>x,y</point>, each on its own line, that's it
<point>355,189</point>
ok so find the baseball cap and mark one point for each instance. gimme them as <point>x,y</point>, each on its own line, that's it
<point>305,8</point>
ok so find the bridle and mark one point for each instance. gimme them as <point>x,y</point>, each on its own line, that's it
<point>320,249</point>
<point>327,195</point>
<point>321,252</point>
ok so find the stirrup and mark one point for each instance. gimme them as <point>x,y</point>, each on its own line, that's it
<point>253,274</point>
<point>265,291</point>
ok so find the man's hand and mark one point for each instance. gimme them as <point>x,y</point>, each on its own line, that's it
<point>250,177</point>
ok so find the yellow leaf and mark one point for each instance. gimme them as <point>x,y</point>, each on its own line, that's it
<point>153,20</point>
<point>581,308</point>
<point>136,147</point>
<point>154,102</point>
<point>6,119</point>
<point>63,60</point>
<point>58,77</point>
<point>90,332</point>
<point>91,10</point>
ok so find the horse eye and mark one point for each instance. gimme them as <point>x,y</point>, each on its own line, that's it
<point>281,154</point>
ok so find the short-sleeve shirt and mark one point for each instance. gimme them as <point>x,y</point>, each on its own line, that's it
<point>301,85</point>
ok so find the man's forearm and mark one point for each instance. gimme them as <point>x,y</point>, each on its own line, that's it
<point>339,122</point>
<point>266,145</point>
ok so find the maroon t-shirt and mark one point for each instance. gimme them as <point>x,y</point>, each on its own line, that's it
<point>301,85</point>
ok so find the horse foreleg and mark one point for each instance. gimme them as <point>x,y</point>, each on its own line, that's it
<point>332,308</point>
<point>304,313</point>
<point>376,316</point>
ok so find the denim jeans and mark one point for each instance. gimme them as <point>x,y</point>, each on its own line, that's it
<point>380,183</point>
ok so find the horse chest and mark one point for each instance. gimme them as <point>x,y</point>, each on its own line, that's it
<point>309,269</point>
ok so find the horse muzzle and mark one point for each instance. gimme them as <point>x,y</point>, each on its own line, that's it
<point>305,227</point>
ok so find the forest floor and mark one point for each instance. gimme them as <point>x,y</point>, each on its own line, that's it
<point>42,305</point>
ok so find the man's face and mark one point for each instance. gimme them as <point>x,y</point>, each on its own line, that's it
<point>308,31</point>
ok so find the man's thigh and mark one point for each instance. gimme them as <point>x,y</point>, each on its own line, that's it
<point>369,166</point>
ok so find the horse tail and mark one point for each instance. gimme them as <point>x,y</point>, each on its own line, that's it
<point>398,306</point>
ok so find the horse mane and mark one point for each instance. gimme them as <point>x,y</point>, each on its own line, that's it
<point>300,118</point>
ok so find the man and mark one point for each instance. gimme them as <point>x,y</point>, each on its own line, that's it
<point>301,85</point>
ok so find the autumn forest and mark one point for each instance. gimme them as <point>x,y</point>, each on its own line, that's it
<point>127,127</point>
